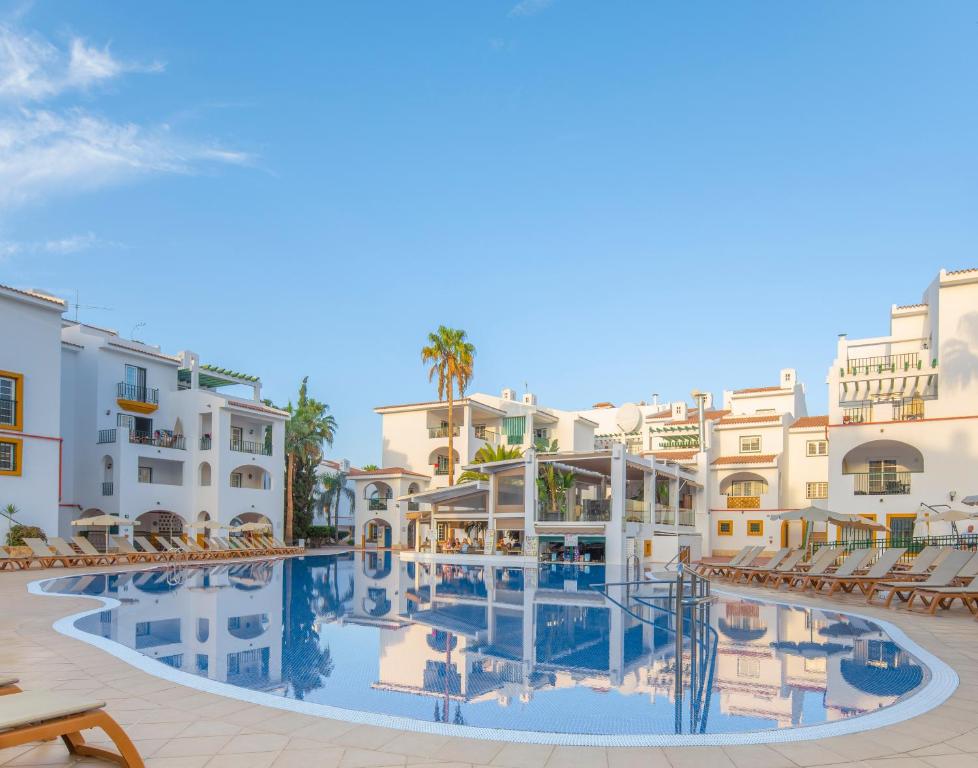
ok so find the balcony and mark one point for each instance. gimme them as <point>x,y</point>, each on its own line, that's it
<point>637,511</point>
<point>205,443</point>
<point>861,414</point>
<point>589,510</point>
<point>881,483</point>
<point>377,505</point>
<point>132,397</point>
<point>249,446</point>
<point>158,439</point>
<point>743,502</point>
<point>436,432</point>
<point>482,432</point>
<point>107,489</point>
<point>669,516</point>
<point>441,470</point>
<point>911,409</point>
<point>864,366</point>
<point>106,436</point>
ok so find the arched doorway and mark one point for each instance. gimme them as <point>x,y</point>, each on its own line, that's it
<point>377,533</point>
<point>204,474</point>
<point>159,522</point>
<point>250,476</point>
<point>378,496</point>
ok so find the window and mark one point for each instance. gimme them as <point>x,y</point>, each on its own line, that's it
<point>145,474</point>
<point>816,490</point>
<point>11,408</point>
<point>442,529</point>
<point>142,628</point>
<point>748,667</point>
<point>237,435</point>
<point>818,447</point>
<point>755,527</point>
<point>202,663</point>
<point>747,488</point>
<point>509,490</point>
<point>750,444</point>
<point>125,420</point>
<point>882,474</point>
<point>724,527</point>
<point>235,479</point>
<point>10,456</point>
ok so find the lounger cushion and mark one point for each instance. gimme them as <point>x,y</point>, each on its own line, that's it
<point>40,706</point>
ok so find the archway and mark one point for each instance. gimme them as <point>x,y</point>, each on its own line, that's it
<point>743,484</point>
<point>438,459</point>
<point>96,535</point>
<point>250,476</point>
<point>204,474</point>
<point>158,522</point>
<point>378,496</point>
<point>377,533</point>
<point>882,467</point>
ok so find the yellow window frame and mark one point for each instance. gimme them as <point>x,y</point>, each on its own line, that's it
<point>760,529</point>
<point>18,445</point>
<point>18,425</point>
<point>720,527</point>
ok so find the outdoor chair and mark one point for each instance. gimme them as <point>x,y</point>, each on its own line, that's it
<point>942,576</point>
<point>65,549</point>
<point>772,562</point>
<point>819,563</point>
<point>43,554</point>
<point>944,597</point>
<point>146,545</point>
<point>854,561</point>
<point>745,557</point>
<point>760,574</point>
<point>87,548</point>
<point>881,569</point>
<point>134,555</point>
<point>27,716</point>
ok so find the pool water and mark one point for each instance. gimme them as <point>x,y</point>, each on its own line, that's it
<point>522,649</point>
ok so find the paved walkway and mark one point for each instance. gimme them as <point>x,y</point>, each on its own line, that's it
<point>177,727</point>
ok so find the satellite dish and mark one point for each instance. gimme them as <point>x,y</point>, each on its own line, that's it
<point>629,417</point>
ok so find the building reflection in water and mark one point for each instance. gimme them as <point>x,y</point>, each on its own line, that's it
<point>530,649</point>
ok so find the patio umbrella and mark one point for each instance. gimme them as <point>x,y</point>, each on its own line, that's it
<point>813,514</point>
<point>971,501</point>
<point>103,521</point>
<point>952,516</point>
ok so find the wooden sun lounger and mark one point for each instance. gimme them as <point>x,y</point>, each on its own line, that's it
<point>175,553</point>
<point>134,555</point>
<point>854,561</point>
<point>87,548</point>
<point>881,569</point>
<point>777,558</point>
<point>65,549</point>
<point>927,558</point>
<point>760,575</point>
<point>8,684</point>
<point>744,557</point>
<point>43,554</point>
<point>161,555</point>
<point>820,563</point>
<point>28,716</point>
<point>944,597</point>
<point>942,576</point>
<point>9,562</point>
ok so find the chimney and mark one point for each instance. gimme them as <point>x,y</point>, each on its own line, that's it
<point>509,394</point>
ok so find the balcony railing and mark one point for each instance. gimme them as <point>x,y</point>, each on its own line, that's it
<point>441,470</point>
<point>881,483</point>
<point>687,517</point>
<point>860,414</point>
<point>664,515</point>
<point>910,409</point>
<point>377,505</point>
<point>637,511</point>
<point>137,394</point>
<point>8,411</point>
<point>906,361</point>
<point>205,443</point>
<point>107,489</point>
<point>434,432</point>
<point>158,439</point>
<point>589,510</point>
<point>106,436</point>
<point>743,502</point>
<point>249,446</point>
<point>413,506</point>
<point>484,433</point>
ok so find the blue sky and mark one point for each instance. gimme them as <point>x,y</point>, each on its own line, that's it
<point>614,199</point>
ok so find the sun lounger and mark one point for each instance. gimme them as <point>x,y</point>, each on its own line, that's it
<point>41,715</point>
<point>134,555</point>
<point>43,554</point>
<point>853,562</point>
<point>747,572</point>
<point>65,549</point>
<point>925,560</point>
<point>144,544</point>
<point>180,545</point>
<point>745,557</point>
<point>820,563</point>
<point>8,684</point>
<point>881,569</point>
<point>175,553</point>
<point>9,562</point>
<point>196,550</point>
<point>942,576</point>
<point>87,548</point>
<point>944,597</point>
<point>760,574</point>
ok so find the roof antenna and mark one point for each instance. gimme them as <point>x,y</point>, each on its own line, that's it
<point>136,327</point>
<point>76,305</point>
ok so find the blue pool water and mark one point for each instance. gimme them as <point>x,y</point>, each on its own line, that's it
<point>535,649</point>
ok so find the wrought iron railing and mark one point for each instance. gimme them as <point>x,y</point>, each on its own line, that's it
<point>107,489</point>
<point>687,517</point>
<point>137,393</point>
<point>158,439</point>
<point>881,483</point>
<point>441,470</point>
<point>106,436</point>
<point>205,443</point>
<point>908,409</point>
<point>250,446</point>
<point>906,361</point>
<point>484,433</point>
<point>377,505</point>
<point>913,544</point>
<point>413,506</point>
<point>434,432</point>
<point>859,414</point>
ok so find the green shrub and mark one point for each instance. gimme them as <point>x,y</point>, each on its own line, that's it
<point>343,535</point>
<point>18,532</point>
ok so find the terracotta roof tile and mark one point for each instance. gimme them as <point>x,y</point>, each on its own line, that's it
<point>810,421</point>
<point>751,419</point>
<point>672,455</point>
<point>255,407</point>
<point>747,458</point>
<point>35,295</point>
<point>390,471</point>
<point>749,390</point>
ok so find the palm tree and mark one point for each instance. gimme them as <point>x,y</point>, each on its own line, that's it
<point>487,454</point>
<point>552,486</point>
<point>334,490</point>
<point>305,432</point>
<point>450,356</point>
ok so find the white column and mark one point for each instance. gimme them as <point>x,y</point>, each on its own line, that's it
<point>614,545</point>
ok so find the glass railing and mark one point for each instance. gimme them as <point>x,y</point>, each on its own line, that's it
<point>158,439</point>
<point>484,433</point>
<point>664,515</point>
<point>250,446</point>
<point>588,510</point>
<point>881,483</point>
<point>434,432</point>
<point>637,511</point>
<point>137,393</point>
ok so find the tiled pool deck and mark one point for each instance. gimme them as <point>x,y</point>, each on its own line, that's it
<point>176,727</point>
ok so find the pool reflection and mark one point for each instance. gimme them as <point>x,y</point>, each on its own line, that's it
<point>532,649</point>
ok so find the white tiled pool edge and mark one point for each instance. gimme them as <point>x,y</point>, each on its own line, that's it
<point>942,684</point>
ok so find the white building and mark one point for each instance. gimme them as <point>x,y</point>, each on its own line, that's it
<point>30,382</point>
<point>903,411</point>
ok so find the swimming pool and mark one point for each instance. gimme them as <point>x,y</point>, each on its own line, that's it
<point>525,654</point>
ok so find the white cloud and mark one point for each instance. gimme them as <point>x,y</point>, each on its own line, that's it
<point>44,152</point>
<point>529,7</point>
<point>32,69</point>
<point>61,246</point>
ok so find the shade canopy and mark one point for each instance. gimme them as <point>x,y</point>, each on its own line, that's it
<point>102,520</point>
<point>252,528</point>
<point>210,525</point>
<point>951,516</point>
<point>971,501</point>
<point>815,514</point>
